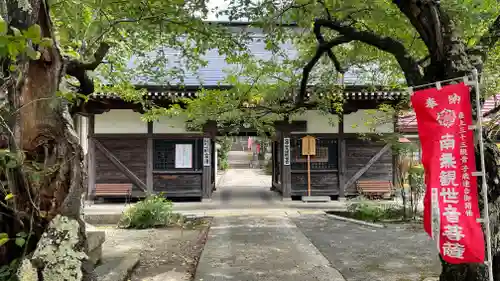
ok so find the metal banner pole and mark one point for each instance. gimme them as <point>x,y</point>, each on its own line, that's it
<point>486,215</point>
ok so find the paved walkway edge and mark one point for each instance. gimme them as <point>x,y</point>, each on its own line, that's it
<point>260,248</point>
<point>119,273</point>
<point>356,221</point>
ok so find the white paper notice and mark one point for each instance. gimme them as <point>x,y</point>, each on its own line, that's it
<point>183,156</point>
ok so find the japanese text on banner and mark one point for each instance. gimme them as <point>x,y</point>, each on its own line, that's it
<point>444,117</point>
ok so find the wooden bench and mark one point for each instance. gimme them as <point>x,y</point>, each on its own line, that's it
<point>113,190</point>
<point>374,188</point>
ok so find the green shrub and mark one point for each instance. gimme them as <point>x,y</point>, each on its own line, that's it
<point>223,152</point>
<point>153,211</point>
<point>367,210</point>
<point>223,164</point>
<point>269,167</point>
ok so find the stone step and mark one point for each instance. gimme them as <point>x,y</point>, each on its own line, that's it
<point>316,199</point>
<point>95,239</point>
<point>103,219</point>
<point>117,268</point>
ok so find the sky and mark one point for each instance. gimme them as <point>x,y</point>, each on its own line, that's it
<point>218,3</point>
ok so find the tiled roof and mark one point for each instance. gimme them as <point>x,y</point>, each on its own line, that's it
<point>407,123</point>
<point>159,95</point>
<point>215,70</point>
<point>490,104</point>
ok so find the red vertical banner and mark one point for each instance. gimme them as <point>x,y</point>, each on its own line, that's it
<point>451,205</point>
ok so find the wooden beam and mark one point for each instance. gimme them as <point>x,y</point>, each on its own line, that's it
<point>118,164</point>
<point>91,162</point>
<point>342,157</point>
<point>149,164</point>
<point>394,155</point>
<point>363,170</point>
<point>206,185</point>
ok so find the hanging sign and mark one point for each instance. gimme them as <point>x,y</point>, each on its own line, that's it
<point>206,152</point>
<point>286,151</point>
<point>451,207</point>
<point>184,156</point>
<point>308,145</point>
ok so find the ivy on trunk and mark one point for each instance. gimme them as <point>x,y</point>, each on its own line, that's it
<point>46,181</point>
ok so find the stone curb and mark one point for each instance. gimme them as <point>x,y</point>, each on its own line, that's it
<point>114,218</point>
<point>355,221</point>
<point>99,219</point>
<point>221,179</point>
<point>122,271</point>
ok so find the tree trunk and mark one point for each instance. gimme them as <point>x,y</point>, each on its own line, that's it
<point>449,58</point>
<point>48,186</point>
<point>477,272</point>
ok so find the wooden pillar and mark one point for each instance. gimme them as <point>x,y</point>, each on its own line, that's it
<point>273,161</point>
<point>394,155</point>
<point>216,164</point>
<point>286,176</point>
<point>91,163</point>
<point>149,159</point>
<point>209,133</point>
<point>342,158</point>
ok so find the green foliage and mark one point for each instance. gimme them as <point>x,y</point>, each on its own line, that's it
<point>223,152</point>
<point>269,167</point>
<point>17,42</point>
<point>19,240</point>
<point>367,210</point>
<point>8,271</point>
<point>140,31</point>
<point>417,186</point>
<point>153,211</point>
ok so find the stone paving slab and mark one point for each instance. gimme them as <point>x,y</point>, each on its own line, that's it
<point>263,248</point>
<point>361,253</point>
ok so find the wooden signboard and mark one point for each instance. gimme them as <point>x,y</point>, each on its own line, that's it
<point>206,152</point>
<point>308,148</point>
<point>308,145</point>
<point>286,151</point>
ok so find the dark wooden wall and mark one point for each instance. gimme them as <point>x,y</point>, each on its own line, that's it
<point>132,152</point>
<point>359,152</point>
<point>322,184</point>
<point>178,184</point>
<point>324,175</point>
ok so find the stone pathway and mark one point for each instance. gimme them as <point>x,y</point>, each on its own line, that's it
<point>245,188</point>
<point>395,253</point>
<point>263,248</point>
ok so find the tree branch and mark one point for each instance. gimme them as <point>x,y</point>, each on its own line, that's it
<point>79,69</point>
<point>322,48</point>
<point>425,17</point>
<point>329,52</point>
<point>493,111</point>
<point>408,64</point>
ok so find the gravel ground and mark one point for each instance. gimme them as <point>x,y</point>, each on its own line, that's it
<point>360,253</point>
<point>166,254</point>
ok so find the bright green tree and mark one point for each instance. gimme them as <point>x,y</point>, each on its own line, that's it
<point>398,43</point>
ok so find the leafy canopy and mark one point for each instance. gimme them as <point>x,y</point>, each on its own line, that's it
<point>139,32</point>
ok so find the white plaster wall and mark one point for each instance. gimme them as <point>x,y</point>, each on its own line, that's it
<point>83,132</point>
<point>170,125</point>
<point>120,121</point>
<point>368,121</point>
<point>318,122</point>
